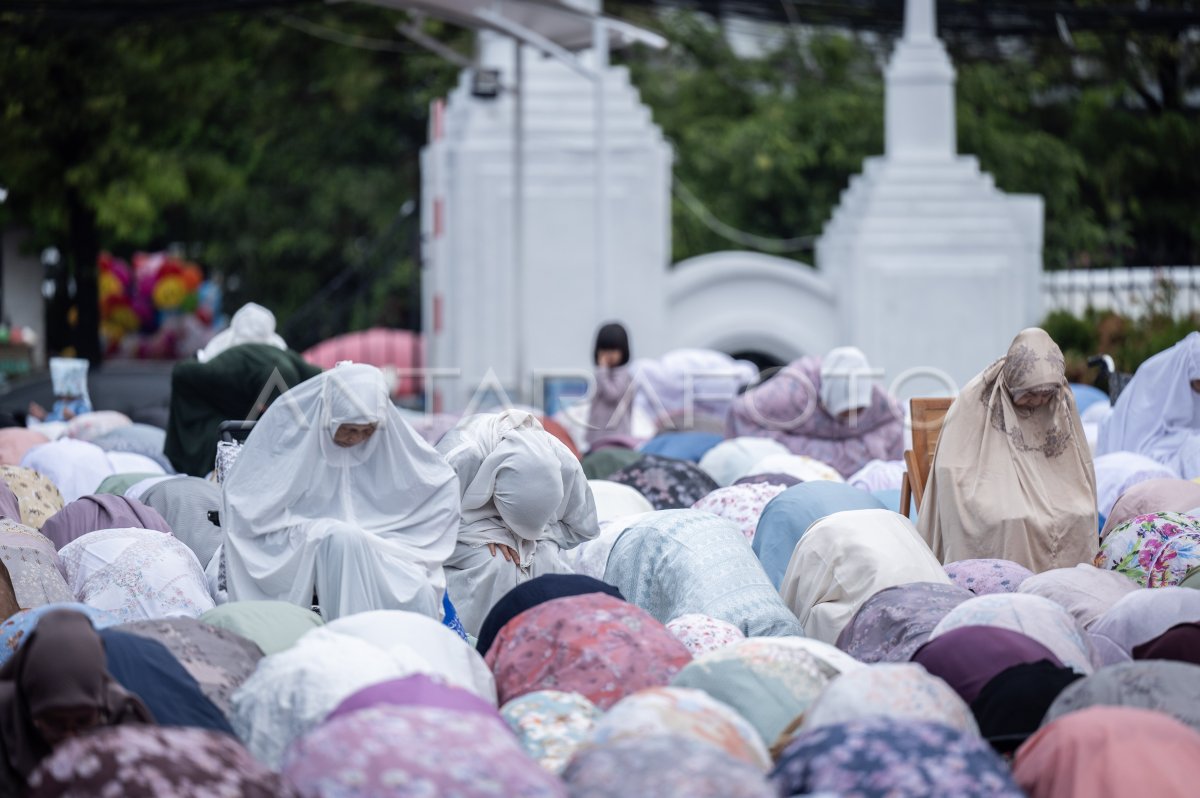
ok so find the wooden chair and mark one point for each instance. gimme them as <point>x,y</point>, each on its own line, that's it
<point>927,418</point>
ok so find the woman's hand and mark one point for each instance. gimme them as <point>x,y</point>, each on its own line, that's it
<point>509,553</point>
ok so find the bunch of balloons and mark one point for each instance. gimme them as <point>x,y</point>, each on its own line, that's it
<point>159,307</point>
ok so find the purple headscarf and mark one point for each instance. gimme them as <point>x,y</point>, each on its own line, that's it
<point>896,621</point>
<point>103,511</point>
<point>9,506</point>
<point>787,408</point>
<point>787,480</point>
<point>969,657</point>
<point>414,691</point>
<point>384,751</point>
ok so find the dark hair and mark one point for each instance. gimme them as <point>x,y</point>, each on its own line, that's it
<point>612,336</point>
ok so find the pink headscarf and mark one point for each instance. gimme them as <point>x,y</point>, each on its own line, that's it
<point>104,511</point>
<point>1152,496</point>
<point>594,644</point>
<point>1110,752</point>
<point>16,441</point>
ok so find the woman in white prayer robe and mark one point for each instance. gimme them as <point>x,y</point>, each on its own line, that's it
<point>334,491</point>
<point>525,498</point>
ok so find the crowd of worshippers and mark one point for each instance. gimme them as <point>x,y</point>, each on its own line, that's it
<point>362,602</point>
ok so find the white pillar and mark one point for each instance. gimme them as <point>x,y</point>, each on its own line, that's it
<point>934,267</point>
<point>515,307</point>
<point>600,50</point>
<point>519,253</point>
<point>919,101</point>
<point>920,19</point>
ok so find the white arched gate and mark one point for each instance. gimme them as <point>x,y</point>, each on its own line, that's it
<point>746,301</point>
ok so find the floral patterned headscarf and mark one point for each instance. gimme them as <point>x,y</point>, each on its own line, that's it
<point>684,712</point>
<point>1013,480</point>
<point>594,644</point>
<point>395,752</point>
<point>702,633</point>
<point>138,761</point>
<point>896,689</point>
<point>882,757</point>
<point>771,681</point>
<point>662,766</point>
<point>37,497</point>
<point>982,577</point>
<point>897,621</point>
<point>1154,550</point>
<point>551,725</point>
<point>667,484</point>
<point>742,504</point>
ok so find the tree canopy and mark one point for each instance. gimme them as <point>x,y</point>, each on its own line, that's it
<point>271,156</point>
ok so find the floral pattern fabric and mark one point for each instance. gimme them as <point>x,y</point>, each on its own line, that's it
<point>33,566</point>
<point>741,504</point>
<point>1155,550</point>
<point>886,757</point>
<point>37,496</point>
<point>667,484</point>
<point>683,712</point>
<point>595,645</point>
<point>983,577</point>
<point>702,633</point>
<point>898,690</point>
<point>770,681</point>
<point>218,660</point>
<point>136,574</point>
<point>896,621</point>
<point>134,761</point>
<point>415,751</point>
<point>663,766</point>
<point>551,725</point>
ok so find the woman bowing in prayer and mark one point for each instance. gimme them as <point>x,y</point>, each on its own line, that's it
<point>826,408</point>
<point>1158,414</point>
<point>56,687</point>
<point>1012,478</point>
<point>334,491</point>
<point>524,499</point>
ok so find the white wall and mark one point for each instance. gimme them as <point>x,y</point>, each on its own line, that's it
<point>566,292</point>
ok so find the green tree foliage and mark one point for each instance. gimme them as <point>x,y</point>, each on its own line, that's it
<point>1101,127</point>
<point>767,144</point>
<point>272,156</point>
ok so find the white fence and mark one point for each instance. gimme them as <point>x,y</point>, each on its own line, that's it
<point>1132,292</point>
